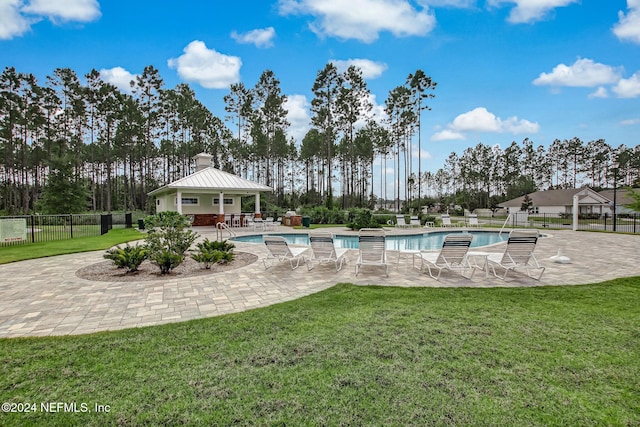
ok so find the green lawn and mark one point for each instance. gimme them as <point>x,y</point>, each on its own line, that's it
<point>351,355</point>
<point>68,246</point>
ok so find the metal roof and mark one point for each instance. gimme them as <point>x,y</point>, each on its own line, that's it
<point>212,179</point>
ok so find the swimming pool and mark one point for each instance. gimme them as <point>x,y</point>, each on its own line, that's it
<point>425,241</point>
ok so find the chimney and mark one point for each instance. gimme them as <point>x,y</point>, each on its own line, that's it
<point>203,161</point>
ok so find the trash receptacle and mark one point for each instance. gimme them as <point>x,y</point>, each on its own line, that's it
<point>306,221</point>
<point>141,224</point>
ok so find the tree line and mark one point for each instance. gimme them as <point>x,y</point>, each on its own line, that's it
<point>104,149</point>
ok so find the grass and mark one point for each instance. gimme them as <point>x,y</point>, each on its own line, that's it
<point>69,246</point>
<point>354,355</point>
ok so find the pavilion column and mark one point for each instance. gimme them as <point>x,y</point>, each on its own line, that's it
<point>221,203</point>
<point>179,202</point>
<point>257,208</point>
<point>576,208</point>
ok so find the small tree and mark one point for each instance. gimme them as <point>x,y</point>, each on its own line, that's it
<point>63,193</point>
<point>635,195</point>
<point>168,239</point>
<point>526,203</point>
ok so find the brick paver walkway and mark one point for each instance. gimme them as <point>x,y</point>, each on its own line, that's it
<point>45,297</point>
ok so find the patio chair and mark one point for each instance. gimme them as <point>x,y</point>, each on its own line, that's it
<point>258,223</point>
<point>269,224</point>
<point>280,250</point>
<point>446,221</point>
<point>415,222</point>
<point>401,222</point>
<point>372,250</point>
<point>324,250</point>
<point>518,254</point>
<point>473,220</point>
<point>452,256</point>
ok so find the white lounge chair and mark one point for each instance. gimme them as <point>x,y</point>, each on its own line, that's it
<point>258,224</point>
<point>324,250</point>
<point>446,221</point>
<point>401,222</point>
<point>280,250</point>
<point>415,222</point>
<point>518,254</point>
<point>473,220</point>
<point>452,256</point>
<point>372,250</point>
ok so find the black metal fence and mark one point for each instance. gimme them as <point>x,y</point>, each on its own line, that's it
<point>15,230</point>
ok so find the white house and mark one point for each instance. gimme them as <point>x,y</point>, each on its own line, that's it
<point>559,202</point>
<point>208,194</point>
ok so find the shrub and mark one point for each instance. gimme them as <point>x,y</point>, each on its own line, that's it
<point>213,252</point>
<point>168,239</point>
<point>361,218</point>
<point>129,257</point>
<point>166,260</point>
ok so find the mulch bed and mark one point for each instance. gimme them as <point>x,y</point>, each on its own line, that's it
<point>106,271</point>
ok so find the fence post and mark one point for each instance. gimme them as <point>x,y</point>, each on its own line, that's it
<point>71,224</point>
<point>128,221</point>
<point>105,222</point>
<point>33,229</point>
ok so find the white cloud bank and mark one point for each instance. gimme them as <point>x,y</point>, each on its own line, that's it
<point>207,67</point>
<point>583,73</point>
<point>261,37</point>
<point>297,108</point>
<point>370,69</point>
<point>119,77</point>
<point>587,73</point>
<point>481,120</point>
<point>17,17</point>
<point>628,26</point>
<point>628,88</point>
<point>527,11</point>
<point>362,20</point>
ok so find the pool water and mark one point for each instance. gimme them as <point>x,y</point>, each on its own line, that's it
<point>426,241</point>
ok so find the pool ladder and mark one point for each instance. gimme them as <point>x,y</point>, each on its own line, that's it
<point>221,227</point>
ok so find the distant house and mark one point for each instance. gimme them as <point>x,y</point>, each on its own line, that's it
<point>622,198</point>
<point>208,194</point>
<point>560,202</point>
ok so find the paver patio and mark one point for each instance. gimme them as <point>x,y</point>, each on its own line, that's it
<point>45,297</point>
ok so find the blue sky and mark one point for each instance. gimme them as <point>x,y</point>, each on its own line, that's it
<point>506,69</point>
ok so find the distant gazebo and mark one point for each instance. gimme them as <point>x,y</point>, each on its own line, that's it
<point>208,194</point>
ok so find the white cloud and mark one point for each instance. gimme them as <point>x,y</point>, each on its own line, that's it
<point>261,37</point>
<point>298,116</point>
<point>583,73</point>
<point>370,69</point>
<point>481,120</point>
<point>423,154</point>
<point>601,92</point>
<point>16,18</point>
<point>119,77</point>
<point>447,135</point>
<point>209,68</point>
<point>531,10</point>
<point>65,10</point>
<point>628,88</point>
<point>363,19</point>
<point>448,3</point>
<point>12,23</point>
<point>630,122</point>
<point>628,26</point>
